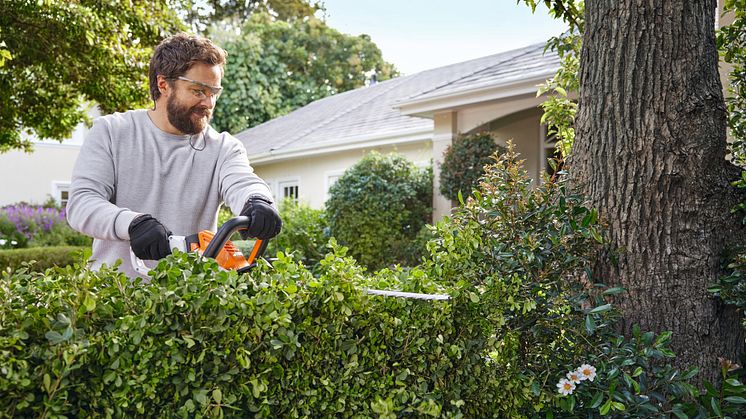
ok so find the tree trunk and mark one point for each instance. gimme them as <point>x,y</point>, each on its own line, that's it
<point>650,153</point>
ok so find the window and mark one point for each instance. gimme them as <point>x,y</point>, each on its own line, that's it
<point>61,192</point>
<point>549,150</point>
<point>330,178</point>
<point>289,189</point>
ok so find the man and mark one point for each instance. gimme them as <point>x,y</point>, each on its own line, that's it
<point>145,174</point>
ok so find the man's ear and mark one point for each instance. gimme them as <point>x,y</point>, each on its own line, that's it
<point>163,86</point>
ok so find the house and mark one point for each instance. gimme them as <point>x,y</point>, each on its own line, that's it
<point>303,153</point>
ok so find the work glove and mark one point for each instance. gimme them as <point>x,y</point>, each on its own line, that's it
<point>149,238</point>
<point>265,220</point>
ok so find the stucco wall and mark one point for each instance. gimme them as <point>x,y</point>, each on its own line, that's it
<point>525,130</point>
<point>30,177</point>
<point>313,173</point>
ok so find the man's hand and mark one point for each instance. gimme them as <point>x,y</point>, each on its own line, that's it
<point>149,238</point>
<point>265,220</point>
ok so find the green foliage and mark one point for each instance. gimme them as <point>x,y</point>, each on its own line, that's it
<point>41,258</point>
<point>732,47</point>
<point>559,109</point>
<point>196,341</point>
<point>304,235</point>
<point>463,163</point>
<point>378,207</point>
<point>228,13</point>
<point>275,67</point>
<point>59,56</point>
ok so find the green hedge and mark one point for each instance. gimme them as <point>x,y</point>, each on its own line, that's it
<point>199,341</point>
<point>42,257</point>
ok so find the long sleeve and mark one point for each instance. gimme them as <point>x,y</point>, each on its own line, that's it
<point>92,190</point>
<point>237,179</point>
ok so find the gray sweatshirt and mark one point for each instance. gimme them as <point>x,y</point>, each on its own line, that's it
<point>127,166</point>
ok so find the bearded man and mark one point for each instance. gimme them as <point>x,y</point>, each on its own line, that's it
<point>145,174</point>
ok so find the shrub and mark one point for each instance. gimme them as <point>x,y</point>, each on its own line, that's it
<point>378,207</point>
<point>42,257</point>
<point>198,341</point>
<point>305,233</point>
<point>463,163</point>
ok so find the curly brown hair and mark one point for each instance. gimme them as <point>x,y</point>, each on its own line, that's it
<point>175,55</point>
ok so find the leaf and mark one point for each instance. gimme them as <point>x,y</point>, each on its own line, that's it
<point>590,324</point>
<point>601,309</point>
<point>715,407</point>
<point>604,410</point>
<point>89,303</point>
<point>597,399</point>
<point>614,291</point>
<point>54,337</point>
<point>217,395</point>
<point>735,399</point>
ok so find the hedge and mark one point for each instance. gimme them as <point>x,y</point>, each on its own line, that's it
<point>42,258</point>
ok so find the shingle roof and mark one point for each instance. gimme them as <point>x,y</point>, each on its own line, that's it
<point>371,110</point>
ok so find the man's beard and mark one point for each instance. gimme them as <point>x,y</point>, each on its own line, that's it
<point>182,118</point>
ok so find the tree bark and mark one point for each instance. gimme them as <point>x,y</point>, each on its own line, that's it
<point>650,154</point>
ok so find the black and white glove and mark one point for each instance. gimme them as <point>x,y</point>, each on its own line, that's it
<point>265,220</point>
<point>149,238</point>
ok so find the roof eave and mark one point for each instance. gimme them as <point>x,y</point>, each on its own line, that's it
<point>337,145</point>
<point>427,107</point>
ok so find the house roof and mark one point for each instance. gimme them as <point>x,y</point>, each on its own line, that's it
<point>367,114</point>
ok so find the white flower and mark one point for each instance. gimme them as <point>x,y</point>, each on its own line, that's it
<point>13,242</point>
<point>2,242</point>
<point>574,376</point>
<point>587,372</point>
<point>565,387</point>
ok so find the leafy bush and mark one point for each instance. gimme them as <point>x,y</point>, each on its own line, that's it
<point>199,341</point>
<point>305,233</point>
<point>42,257</point>
<point>464,161</point>
<point>378,207</point>
<point>29,225</point>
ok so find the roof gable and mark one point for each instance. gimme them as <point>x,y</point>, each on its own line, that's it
<point>372,111</point>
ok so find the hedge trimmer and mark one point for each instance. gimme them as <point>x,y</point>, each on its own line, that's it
<point>218,246</point>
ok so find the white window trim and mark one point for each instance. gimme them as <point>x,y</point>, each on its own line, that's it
<point>284,182</point>
<point>58,186</point>
<point>327,183</point>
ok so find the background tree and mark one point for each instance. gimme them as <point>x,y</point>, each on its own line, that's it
<point>200,13</point>
<point>275,67</point>
<point>58,58</point>
<point>649,153</point>
<point>65,55</point>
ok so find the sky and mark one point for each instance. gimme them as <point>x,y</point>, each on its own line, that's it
<point>417,35</point>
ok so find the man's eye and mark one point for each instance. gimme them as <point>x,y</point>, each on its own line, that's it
<point>198,93</point>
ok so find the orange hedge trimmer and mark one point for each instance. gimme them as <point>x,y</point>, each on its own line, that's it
<point>229,257</point>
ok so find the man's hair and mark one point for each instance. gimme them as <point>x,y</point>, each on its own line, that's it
<point>175,55</point>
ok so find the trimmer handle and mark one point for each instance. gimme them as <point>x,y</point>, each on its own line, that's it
<point>226,231</point>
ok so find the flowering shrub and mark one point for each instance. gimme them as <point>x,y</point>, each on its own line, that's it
<point>25,225</point>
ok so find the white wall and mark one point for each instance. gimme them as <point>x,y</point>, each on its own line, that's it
<point>313,173</point>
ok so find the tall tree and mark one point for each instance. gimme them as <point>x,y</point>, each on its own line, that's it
<point>58,57</point>
<point>275,67</point>
<point>649,153</point>
<point>64,55</point>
